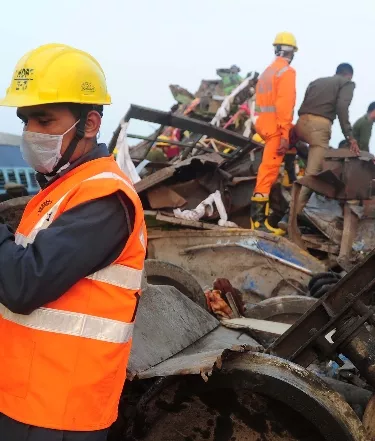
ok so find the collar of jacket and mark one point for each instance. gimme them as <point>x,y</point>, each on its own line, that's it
<point>100,151</point>
<point>282,61</point>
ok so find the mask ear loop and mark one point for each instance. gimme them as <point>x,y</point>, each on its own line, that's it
<point>80,133</point>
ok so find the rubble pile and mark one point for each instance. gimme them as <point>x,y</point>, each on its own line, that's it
<point>198,171</point>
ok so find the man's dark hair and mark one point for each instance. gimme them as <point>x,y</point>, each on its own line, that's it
<point>343,144</point>
<point>344,69</point>
<point>371,107</point>
<point>76,109</point>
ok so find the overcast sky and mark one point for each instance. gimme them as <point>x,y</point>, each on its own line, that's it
<point>145,45</point>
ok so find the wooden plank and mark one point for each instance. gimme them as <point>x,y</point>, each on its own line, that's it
<point>348,236</point>
<point>154,178</point>
<point>294,233</point>
<point>188,223</point>
<point>320,243</point>
<point>275,328</point>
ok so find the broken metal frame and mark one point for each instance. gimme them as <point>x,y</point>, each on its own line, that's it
<point>344,310</point>
<point>169,119</point>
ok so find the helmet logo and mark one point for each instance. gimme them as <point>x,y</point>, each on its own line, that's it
<point>22,78</point>
<point>87,87</point>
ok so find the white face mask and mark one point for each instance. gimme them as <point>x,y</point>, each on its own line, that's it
<point>41,150</point>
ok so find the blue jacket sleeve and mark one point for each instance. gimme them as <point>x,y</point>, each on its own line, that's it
<point>81,241</point>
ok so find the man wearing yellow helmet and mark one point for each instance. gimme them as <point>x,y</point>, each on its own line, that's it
<point>70,277</point>
<point>275,101</point>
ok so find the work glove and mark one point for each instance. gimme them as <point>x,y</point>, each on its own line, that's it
<point>321,283</point>
<point>283,147</point>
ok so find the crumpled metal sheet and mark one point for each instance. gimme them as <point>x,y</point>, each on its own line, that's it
<point>162,175</point>
<point>202,356</point>
<point>326,215</point>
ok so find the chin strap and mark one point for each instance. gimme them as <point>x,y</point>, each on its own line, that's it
<point>80,133</point>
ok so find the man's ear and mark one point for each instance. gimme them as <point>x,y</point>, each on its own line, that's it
<point>93,123</point>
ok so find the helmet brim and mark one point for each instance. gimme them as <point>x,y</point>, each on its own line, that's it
<point>13,100</point>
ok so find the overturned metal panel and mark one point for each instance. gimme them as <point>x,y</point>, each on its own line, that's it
<point>265,265</point>
<point>167,322</point>
<point>202,356</point>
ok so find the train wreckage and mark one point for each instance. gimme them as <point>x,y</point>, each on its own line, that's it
<point>242,335</point>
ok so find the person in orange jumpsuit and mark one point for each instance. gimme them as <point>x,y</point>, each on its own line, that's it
<point>275,101</point>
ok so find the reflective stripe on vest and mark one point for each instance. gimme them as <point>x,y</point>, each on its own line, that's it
<point>266,109</point>
<point>72,323</point>
<point>281,71</point>
<point>265,80</point>
<point>117,275</point>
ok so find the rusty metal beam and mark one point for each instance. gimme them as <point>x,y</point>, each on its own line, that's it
<point>186,123</point>
<point>344,310</point>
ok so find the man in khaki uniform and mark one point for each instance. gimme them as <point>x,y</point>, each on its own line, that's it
<point>325,99</point>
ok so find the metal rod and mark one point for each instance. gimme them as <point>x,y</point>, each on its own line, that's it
<point>279,259</point>
<point>152,140</point>
<point>255,250</point>
<point>178,143</point>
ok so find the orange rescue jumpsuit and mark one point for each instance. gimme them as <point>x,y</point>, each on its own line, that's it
<point>275,101</point>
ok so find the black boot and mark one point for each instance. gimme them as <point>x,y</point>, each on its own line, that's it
<point>259,212</point>
<point>290,169</point>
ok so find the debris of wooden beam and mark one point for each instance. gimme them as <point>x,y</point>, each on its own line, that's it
<point>257,325</point>
<point>321,243</point>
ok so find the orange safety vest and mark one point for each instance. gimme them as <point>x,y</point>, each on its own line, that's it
<point>275,99</point>
<point>64,365</point>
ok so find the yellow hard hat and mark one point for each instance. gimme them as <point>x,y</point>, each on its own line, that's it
<point>286,39</point>
<point>56,73</point>
<point>165,138</point>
